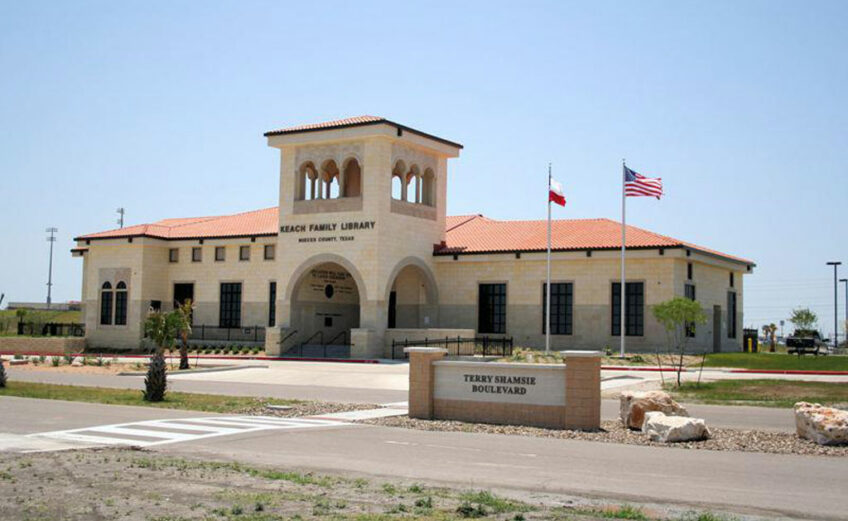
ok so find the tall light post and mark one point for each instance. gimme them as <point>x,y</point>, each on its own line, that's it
<point>845,281</point>
<point>835,265</point>
<point>51,239</point>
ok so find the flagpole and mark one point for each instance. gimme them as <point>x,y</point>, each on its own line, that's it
<point>548,283</point>
<point>623,249</point>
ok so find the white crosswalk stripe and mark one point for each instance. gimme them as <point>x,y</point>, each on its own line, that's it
<point>159,432</point>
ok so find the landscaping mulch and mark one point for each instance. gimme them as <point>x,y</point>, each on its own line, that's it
<point>613,432</point>
<point>300,409</point>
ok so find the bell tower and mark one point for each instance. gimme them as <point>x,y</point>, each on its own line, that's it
<point>362,204</point>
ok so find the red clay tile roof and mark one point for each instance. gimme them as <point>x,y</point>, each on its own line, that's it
<point>255,223</point>
<point>479,234</point>
<point>464,233</point>
<point>356,121</point>
<point>346,122</point>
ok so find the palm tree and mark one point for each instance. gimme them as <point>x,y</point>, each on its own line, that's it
<point>772,332</point>
<point>162,328</point>
<point>183,313</point>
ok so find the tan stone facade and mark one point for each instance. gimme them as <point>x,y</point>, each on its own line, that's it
<point>362,209</point>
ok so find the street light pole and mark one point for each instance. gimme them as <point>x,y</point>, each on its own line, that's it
<point>835,265</point>
<point>51,239</point>
<point>845,281</point>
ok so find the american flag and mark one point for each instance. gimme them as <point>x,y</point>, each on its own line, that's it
<point>635,185</point>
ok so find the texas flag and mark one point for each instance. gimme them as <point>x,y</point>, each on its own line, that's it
<point>555,194</point>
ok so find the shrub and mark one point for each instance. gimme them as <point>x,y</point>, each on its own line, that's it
<point>18,356</point>
<point>467,510</point>
<point>33,360</point>
<point>56,361</point>
<point>2,373</point>
<point>69,358</point>
<point>42,359</point>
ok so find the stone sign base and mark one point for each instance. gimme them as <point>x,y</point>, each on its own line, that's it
<point>541,395</point>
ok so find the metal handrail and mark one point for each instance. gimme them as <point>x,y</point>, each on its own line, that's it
<point>291,333</point>
<point>319,334</point>
<point>342,334</point>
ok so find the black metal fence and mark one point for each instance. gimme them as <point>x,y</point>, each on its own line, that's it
<point>227,334</point>
<point>50,329</point>
<point>458,346</point>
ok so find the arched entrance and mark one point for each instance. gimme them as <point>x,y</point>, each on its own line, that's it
<point>325,304</point>
<point>412,299</point>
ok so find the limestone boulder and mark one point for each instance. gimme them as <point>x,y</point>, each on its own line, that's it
<point>635,404</point>
<point>672,429</point>
<point>823,425</point>
<point>77,362</point>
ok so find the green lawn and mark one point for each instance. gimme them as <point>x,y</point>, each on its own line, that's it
<point>769,393</point>
<point>777,361</point>
<point>173,400</point>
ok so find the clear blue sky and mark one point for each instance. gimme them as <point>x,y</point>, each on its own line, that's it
<point>159,107</point>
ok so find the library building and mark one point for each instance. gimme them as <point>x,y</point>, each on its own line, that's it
<point>360,255</point>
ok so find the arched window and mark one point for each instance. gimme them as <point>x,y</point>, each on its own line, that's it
<point>120,304</point>
<point>413,185</point>
<point>106,304</point>
<point>398,173</point>
<point>428,188</point>
<point>307,177</point>
<point>352,178</point>
<point>329,180</point>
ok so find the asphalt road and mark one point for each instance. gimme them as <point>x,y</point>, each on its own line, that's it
<point>738,417</point>
<point>765,484</point>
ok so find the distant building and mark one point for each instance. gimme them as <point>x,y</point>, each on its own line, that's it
<point>360,252</point>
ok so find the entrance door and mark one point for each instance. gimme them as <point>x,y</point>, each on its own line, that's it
<point>716,329</point>
<point>183,292</point>
<point>392,310</point>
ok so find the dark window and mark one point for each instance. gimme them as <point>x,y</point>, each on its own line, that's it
<point>690,294</point>
<point>491,309</point>
<point>562,305</point>
<point>244,253</point>
<point>196,254</point>
<point>184,292</point>
<point>272,304</point>
<point>634,313</point>
<point>731,279</point>
<point>731,314</point>
<point>219,253</point>
<point>392,310</point>
<point>230,311</point>
<point>106,304</point>
<point>269,252</point>
<point>174,255</point>
<point>121,304</point>
<point>689,271</point>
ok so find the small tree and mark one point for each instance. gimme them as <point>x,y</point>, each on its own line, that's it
<point>183,312</point>
<point>676,315</point>
<point>804,319</point>
<point>772,331</point>
<point>162,329</point>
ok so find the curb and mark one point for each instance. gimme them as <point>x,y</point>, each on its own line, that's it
<point>789,371</point>
<point>207,357</point>
<point>198,370</point>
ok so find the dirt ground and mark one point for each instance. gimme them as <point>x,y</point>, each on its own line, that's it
<point>107,366</point>
<point>148,486</point>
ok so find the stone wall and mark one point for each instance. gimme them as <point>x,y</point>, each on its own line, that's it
<point>41,345</point>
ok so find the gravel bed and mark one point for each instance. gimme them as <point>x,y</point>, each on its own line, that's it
<point>311,408</point>
<point>614,432</point>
